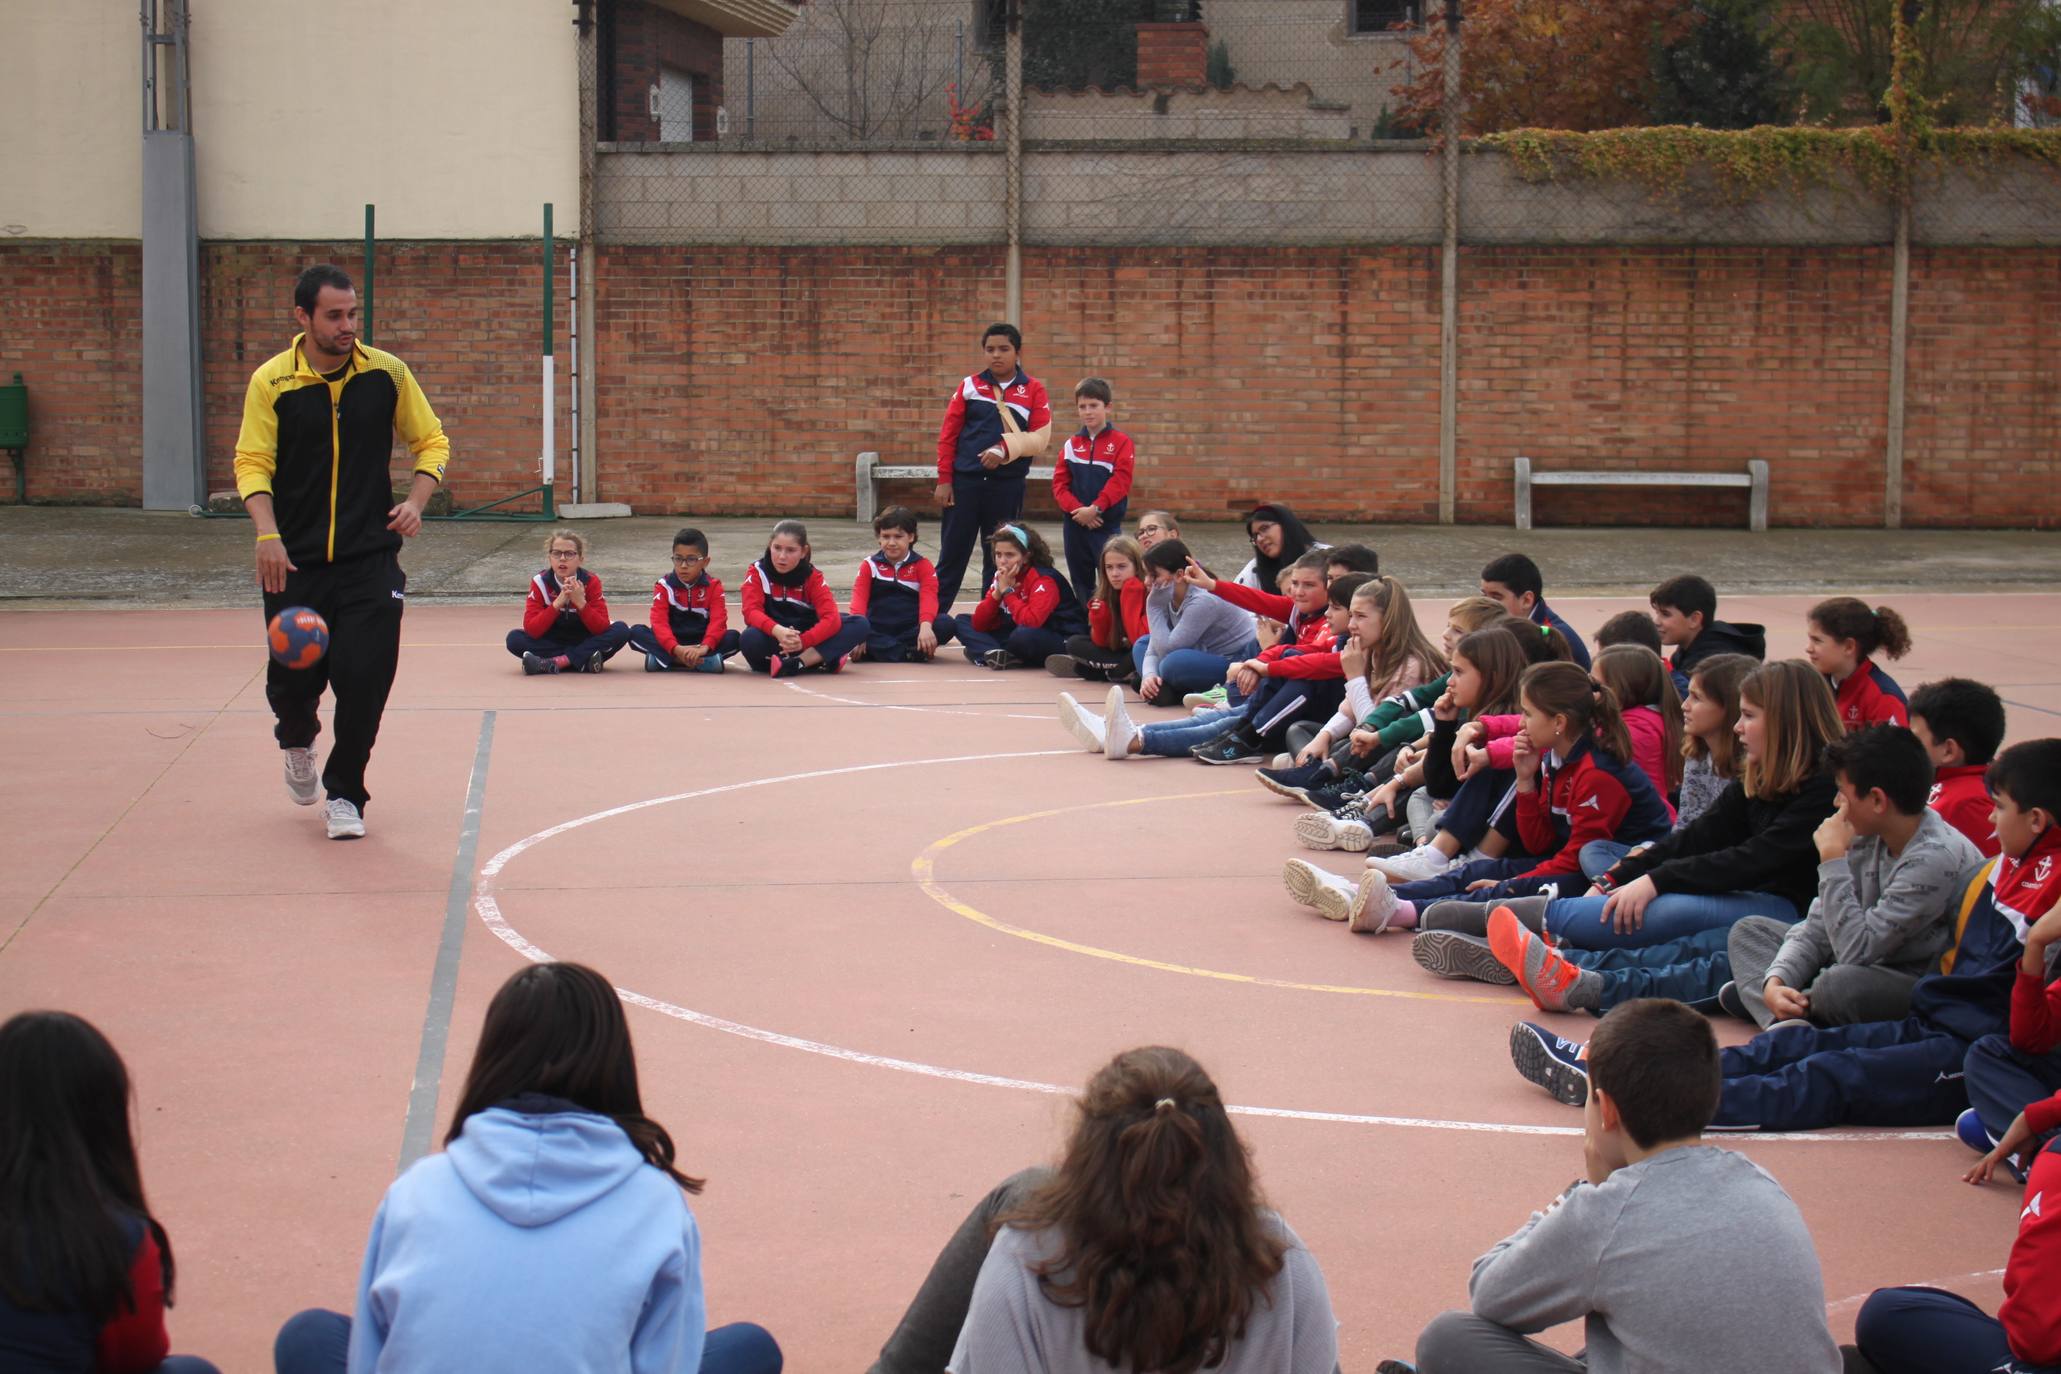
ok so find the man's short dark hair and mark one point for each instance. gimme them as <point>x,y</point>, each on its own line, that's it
<point>2029,773</point>
<point>1340,592</point>
<point>1658,1060</point>
<point>1168,555</point>
<point>692,538</point>
<point>1687,594</point>
<point>896,518</point>
<point>1969,713</point>
<point>1518,573</point>
<point>1007,331</point>
<point>307,287</point>
<point>1091,389</point>
<point>1353,558</point>
<point>1885,756</point>
<point>1629,627</point>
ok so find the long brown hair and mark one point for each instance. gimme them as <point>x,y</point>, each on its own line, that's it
<point>1126,546</point>
<point>1401,639</point>
<point>1563,689</point>
<point>1161,1235</point>
<point>1638,677</point>
<point>1801,719</point>
<point>558,1030</point>
<point>1720,675</point>
<point>1496,656</point>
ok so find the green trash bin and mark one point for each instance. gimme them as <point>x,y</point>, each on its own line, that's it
<point>14,431</point>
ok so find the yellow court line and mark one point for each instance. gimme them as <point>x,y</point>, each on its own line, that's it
<point>256,642</point>
<point>924,869</point>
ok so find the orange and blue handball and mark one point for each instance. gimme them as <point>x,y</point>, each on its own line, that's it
<point>298,638</point>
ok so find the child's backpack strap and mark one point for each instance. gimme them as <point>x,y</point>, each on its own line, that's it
<point>1977,885</point>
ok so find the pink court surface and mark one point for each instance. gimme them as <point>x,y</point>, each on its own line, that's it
<point>874,927</point>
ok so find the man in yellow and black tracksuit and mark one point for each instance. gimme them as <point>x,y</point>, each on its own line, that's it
<point>319,422</point>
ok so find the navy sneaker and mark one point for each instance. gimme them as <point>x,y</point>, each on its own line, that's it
<point>1553,1063</point>
<point>1236,747</point>
<point>1296,783</point>
<point>1731,1003</point>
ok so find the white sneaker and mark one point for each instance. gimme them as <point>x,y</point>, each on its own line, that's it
<point>1283,761</point>
<point>1117,729</point>
<point>1083,724</point>
<point>1425,861</point>
<point>1322,830</point>
<point>1329,895</point>
<point>344,821</point>
<point>301,782</point>
<point>1373,905</point>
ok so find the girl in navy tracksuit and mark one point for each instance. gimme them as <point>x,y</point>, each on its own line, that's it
<point>565,624</point>
<point>85,1270</point>
<point>1843,637</point>
<point>792,619</point>
<point>1028,611</point>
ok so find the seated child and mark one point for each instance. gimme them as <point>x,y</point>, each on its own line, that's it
<point>690,627</point>
<point>1685,614</point>
<point>1156,525</point>
<point>1116,619</point>
<point>1514,582</point>
<point>1573,785</point>
<point>565,624</point>
<point>896,594</point>
<point>1028,611</point>
<point>1350,558</point>
<point>1960,723</point>
<point>1677,1257</point>
<point>1092,481</point>
<point>1843,636</point>
<point>792,621</point>
<point>1628,627</point>
<point>1195,635</point>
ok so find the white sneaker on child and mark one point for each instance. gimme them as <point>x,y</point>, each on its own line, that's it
<point>1323,891</point>
<point>1373,905</point>
<point>1425,861</point>
<point>1083,724</point>
<point>1322,830</point>
<point>1117,729</point>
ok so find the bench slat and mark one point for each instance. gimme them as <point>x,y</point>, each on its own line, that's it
<point>1640,479</point>
<point>870,472</point>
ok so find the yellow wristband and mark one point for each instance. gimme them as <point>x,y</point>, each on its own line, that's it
<point>263,537</point>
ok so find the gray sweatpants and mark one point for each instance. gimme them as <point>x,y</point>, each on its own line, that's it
<point>1841,995</point>
<point>1462,1343</point>
<point>922,1343</point>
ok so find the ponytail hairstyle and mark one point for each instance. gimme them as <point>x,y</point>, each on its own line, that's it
<point>69,1184</point>
<point>1499,660</point>
<point>1036,552</point>
<point>1538,643</point>
<point>1402,638</point>
<point>1161,1235</point>
<point>557,1030</point>
<point>1880,630</point>
<point>1801,718</point>
<point>1719,677</point>
<point>1563,689</point>
<point>1638,678</point>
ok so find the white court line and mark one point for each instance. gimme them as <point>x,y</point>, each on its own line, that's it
<point>921,710</point>
<point>1857,1299</point>
<point>489,909</point>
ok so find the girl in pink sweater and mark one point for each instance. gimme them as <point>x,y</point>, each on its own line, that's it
<point>1639,680</point>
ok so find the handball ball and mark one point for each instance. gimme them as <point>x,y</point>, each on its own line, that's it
<point>299,638</point>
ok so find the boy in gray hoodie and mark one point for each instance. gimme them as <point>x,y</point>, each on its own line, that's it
<point>1676,1255</point>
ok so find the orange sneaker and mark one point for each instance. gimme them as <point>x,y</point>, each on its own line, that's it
<point>1553,983</point>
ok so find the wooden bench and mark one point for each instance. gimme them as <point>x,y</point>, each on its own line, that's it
<point>871,472</point>
<point>1754,479</point>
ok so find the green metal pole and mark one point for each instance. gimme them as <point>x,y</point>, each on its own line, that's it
<point>550,450</point>
<point>365,294</point>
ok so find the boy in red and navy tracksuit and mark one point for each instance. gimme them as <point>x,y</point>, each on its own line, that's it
<point>565,624</point>
<point>792,619</point>
<point>1960,723</point>
<point>1092,482</point>
<point>983,460</point>
<point>896,592</point>
<point>690,628</point>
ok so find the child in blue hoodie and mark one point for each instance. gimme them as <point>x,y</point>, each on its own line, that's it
<point>551,1232</point>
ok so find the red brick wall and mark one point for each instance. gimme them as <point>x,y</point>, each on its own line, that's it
<point>1172,55</point>
<point>745,379</point>
<point>646,38</point>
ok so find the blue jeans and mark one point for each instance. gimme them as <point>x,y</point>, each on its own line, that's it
<point>1172,739</point>
<point>1193,670</point>
<point>1600,856</point>
<point>1578,921</point>
<point>319,1342</point>
<point>1688,970</point>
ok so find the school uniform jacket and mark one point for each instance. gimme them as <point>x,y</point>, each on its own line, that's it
<point>1039,598</point>
<point>1961,798</point>
<point>1642,723</point>
<point>1094,471</point>
<point>1741,844</point>
<point>896,597</point>
<point>320,449</point>
<point>2031,1313</point>
<point>1590,795</point>
<point>973,425</point>
<point>542,620</point>
<point>688,612</point>
<point>1869,696</point>
<point>132,1341</point>
<point>1307,651</point>
<point>1102,623</point>
<point>805,604</point>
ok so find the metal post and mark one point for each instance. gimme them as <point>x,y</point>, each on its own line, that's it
<point>572,329</point>
<point>591,51</point>
<point>550,406</point>
<point>174,447</point>
<point>1012,130</point>
<point>1449,281</point>
<point>1899,274</point>
<point>365,293</point>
